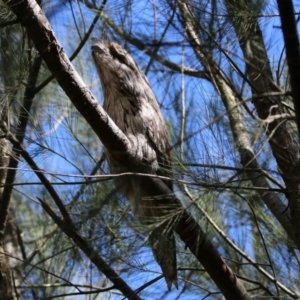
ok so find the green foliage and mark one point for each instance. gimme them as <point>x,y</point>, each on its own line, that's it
<point>209,173</point>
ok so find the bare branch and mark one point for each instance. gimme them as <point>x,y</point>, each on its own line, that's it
<point>67,226</point>
<point>228,96</point>
<point>39,30</point>
<point>13,161</point>
<point>285,149</point>
<point>291,39</point>
<point>140,45</point>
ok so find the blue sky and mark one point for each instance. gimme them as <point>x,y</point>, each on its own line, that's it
<point>146,19</point>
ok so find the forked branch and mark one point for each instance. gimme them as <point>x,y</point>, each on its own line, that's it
<point>40,32</point>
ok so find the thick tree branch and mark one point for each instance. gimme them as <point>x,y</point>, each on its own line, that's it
<point>79,47</point>
<point>291,41</point>
<point>66,225</point>
<point>229,99</point>
<point>92,254</point>
<point>239,130</point>
<point>39,30</point>
<point>284,147</point>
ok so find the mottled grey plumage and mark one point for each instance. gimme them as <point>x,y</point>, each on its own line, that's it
<point>130,102</point>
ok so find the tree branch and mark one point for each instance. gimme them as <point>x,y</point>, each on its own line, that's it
<point>67,226</point>
<point>283,145</point>
<point>79,47</point>
<point>291,41</point>
<point>153,54</point>
<point>40,32</point>
<point>92,254</point>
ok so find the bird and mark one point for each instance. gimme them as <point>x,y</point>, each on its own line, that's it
<point>129,101</point>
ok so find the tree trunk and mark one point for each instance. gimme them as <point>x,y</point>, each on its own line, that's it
<point>284,147</point>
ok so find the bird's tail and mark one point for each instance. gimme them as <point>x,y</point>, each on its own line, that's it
<point>162,242</point>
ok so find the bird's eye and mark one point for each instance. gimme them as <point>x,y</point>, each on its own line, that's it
<point>120,57</point>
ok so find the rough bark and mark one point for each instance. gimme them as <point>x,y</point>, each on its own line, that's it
<point>284,147</point>
<point>291,41</point>
<point>290,34</point>
<point>242,139</point>
<point>39,31</point>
